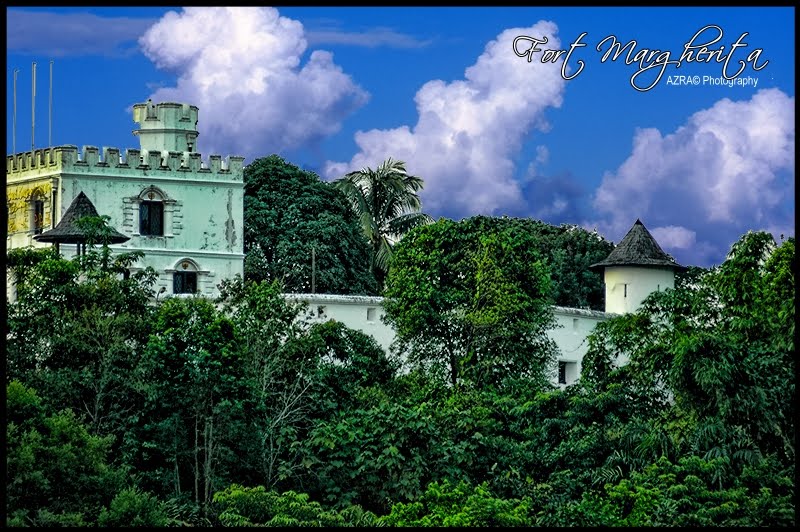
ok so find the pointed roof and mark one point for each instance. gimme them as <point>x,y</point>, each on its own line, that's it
<point>638,248</point>
<point>67,232</point>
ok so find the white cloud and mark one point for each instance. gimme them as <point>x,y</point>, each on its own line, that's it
<point>674,236</point>
<point>730,168</point>
<point>242,67</point>
<point>542,154</point>
<point>468,130</point>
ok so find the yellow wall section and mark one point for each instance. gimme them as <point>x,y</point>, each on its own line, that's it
<point>20,198</point>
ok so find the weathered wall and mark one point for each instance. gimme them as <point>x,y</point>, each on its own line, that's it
<point>203,204</point>
<point>364,314</point>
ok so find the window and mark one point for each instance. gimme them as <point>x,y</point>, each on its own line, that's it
<point>575,324</point>
<point>184,283</point>
<point>151,218</point>
<point>371,312</point>
<point>38,217</point>
<point>625,290</point>
<point>562,372</point>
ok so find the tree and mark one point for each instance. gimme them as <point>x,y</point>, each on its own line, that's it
<point>58,473</point>
<point>190,377</point>
<point>723,346</point>
<point>460,505</point>
<point>471,301</point>
<point>76,328</point>
<point>239,506</point>
<point>387,204</point>
<point>290,215</point>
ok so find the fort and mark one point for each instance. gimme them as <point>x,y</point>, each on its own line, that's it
<point>187,217</point>
<point>146,194</point>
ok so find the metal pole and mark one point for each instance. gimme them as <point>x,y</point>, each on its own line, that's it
<point>14,121</point>
<point>33,106</point>
<point>313,272</point>
<point>50,120</point>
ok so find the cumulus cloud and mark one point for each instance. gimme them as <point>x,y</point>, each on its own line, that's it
<point>469,130</point>
<point>728,169</point>
<point>242,67</point>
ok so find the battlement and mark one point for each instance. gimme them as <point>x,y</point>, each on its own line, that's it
<point>67,159</point>
<point>166,126</point>
<point>166,114</point>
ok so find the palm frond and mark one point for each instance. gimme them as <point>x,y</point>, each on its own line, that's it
<point>387,204</point>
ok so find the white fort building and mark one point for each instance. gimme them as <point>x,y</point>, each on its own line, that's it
<point>186,215</point>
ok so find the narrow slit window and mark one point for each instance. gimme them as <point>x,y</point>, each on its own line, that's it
<point>562,372</point>
<point>38,217</point>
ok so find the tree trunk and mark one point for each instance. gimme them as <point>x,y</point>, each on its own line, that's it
<point>196,461</point>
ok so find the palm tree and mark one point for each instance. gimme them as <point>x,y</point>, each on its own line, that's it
<point>388,206</point>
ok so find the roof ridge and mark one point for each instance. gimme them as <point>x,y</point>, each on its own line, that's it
<point>66,230</point>
<point>638,248</point>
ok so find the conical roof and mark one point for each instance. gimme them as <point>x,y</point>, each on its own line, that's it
<point>638,248</point>
<point>67,231</point>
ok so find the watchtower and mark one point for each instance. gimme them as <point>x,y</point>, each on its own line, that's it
<point>166,126</point>
<point>636,268</point>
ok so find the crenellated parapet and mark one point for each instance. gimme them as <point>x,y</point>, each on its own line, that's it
<point>68,159</point>
<point>43,158</point>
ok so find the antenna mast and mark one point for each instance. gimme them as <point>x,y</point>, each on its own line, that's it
<point>33,106</point>
<point>50,121</point>
<point>14,120</point>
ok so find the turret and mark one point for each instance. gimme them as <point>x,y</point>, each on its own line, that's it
<point>636,268</point>
<point>166,126</point>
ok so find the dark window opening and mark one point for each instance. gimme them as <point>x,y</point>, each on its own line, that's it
<point>53,209</point>
<point>151,218</point>
<point>184,283</point>
<point>38,217</point>
<point>562,372</point>
<point>625,288</point>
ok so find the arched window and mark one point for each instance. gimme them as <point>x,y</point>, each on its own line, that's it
<point>184,280</point>
<point>37,215</point>
<point>151,213</point>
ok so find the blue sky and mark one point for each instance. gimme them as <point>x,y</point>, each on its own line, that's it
<point>333,89</point>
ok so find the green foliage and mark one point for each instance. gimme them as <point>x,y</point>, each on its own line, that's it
<point>287,213</point>
<point>125,411</point>
<point>386,201</point>
<point>688,494</point>
<point>75,332</point>
<point>459,505</point>
<point>471,301</point>
<point>240,506</point>
<point>724,347</point>
<point>58,473</point>
<point>190,380</point>
<point>131,508</point>
<point>348,361</point>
